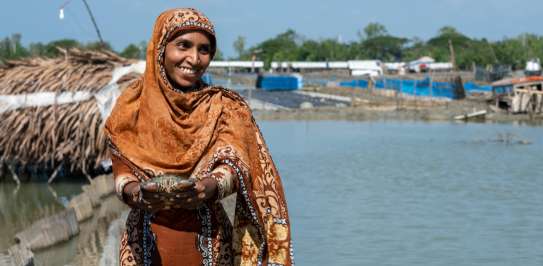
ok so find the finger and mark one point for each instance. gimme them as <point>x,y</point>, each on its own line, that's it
<point>199,187</point>
<point>150,187</point>
<point>152,197</point>
<point>152,201</point>
<point>183,194</point>
<point>184,186</point>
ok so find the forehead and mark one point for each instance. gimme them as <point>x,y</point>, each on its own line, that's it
<point>195,36</point>
<point>183,19</point>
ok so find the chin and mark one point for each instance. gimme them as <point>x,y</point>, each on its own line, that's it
<point>186,83</point>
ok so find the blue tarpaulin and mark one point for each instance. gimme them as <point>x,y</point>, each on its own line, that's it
<point>206,77</point>
<point>424,87</point>
<point>470,86</point>
<point>279,82</point>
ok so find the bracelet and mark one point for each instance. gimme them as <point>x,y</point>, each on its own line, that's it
<point>219,178</point>
<point>121,182</point>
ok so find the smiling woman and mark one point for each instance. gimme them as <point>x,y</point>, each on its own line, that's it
<point>179,146</point>
<point>186,58</point>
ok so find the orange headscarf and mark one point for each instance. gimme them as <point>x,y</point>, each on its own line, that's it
<point>161,130</point>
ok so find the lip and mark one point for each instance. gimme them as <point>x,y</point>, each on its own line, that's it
<point>182,70</point>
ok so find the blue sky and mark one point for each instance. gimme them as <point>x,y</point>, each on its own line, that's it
<point>130,21</point>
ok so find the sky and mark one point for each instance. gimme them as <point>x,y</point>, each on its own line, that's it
<point>122,22</point>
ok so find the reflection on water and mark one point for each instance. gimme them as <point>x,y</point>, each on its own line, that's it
<point>23,205</point>
<point>366,193</point>
<point>87,247</point>
<point>408,193</point>
<point>20,207</point>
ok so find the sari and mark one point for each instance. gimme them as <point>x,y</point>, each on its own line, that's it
<point>156,129</point>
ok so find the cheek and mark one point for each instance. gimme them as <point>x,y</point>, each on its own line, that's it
<point>205,60</point>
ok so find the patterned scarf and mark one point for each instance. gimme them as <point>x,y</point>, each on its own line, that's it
<point>160,130</point>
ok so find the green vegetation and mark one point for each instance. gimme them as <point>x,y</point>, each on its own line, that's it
<point>375,42</point>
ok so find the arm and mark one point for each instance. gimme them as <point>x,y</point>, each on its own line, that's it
<point>226,178</point>
<point>218,184</point>
<point>125,181</point>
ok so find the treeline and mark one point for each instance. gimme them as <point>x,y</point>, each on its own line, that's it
<point>374,42</point>
<point>11,48</point>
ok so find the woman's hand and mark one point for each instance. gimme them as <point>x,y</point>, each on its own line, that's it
<point>203,190</point>
<point>148,197</point>
<point>143,196</point>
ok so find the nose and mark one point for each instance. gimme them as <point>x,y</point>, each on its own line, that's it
<point>193,56</point>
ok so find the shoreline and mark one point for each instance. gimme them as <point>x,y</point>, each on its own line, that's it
<point>362,105</point>
<point>430,114</point>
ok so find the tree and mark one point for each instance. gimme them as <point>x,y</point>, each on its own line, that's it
<point>283,47</point>
<point>385,47</point>
<point>448,30</point>
<point>239,46</point>
<point>51,50</point>
<point>373,30</point>
<point>97,45</point>
<point>11,47</point>
<point>132,51</point>
<point>218,55</point>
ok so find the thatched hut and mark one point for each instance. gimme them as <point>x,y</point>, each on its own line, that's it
<point>52,113</point>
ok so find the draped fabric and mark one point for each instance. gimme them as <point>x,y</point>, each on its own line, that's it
<point>158,130</point>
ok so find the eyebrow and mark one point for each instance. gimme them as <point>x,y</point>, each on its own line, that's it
<point>181,38</point>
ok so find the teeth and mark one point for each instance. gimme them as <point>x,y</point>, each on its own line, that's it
<point>187,70</point>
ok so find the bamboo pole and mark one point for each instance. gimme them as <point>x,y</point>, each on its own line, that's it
<point>94,23</point>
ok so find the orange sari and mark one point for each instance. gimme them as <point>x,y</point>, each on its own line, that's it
<point>157,129</point>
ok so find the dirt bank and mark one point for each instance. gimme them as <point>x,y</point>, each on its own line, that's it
<point>368,105</point>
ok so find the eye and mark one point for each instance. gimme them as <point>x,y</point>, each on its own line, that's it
<point>183,44</point>
<point>205,49</point>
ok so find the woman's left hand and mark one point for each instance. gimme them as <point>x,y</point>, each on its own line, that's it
<point>203,190</point>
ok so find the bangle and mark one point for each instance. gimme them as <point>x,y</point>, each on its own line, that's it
<point>121,182</point>
<point>219,179</point>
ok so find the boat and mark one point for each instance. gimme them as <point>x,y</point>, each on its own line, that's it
<point>472,116</point>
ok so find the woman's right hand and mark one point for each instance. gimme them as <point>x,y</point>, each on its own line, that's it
<point>144,196</point>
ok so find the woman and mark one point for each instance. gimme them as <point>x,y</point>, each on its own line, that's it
<point>168,123</point>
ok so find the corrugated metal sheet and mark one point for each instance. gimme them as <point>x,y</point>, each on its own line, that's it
<point>338,64</point>
<point>239,64</point>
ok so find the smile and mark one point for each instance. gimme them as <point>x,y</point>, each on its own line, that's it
<point>188,70</point>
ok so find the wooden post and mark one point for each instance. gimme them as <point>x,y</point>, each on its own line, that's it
<point>453,55</point>
<point>14,175</point>
<point>55,173</point>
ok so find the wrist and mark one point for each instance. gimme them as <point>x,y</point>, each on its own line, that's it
<point>130,192</point>
<point>211,187</point>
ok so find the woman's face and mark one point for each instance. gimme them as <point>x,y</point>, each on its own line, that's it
<point>186,58</point>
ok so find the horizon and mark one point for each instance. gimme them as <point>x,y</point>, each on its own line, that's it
<point>499,19</point>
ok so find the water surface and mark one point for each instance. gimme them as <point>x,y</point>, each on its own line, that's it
<point>369,193</point>
<point>409,193</point>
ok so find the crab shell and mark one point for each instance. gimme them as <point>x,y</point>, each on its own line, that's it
<point>170,183</point>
